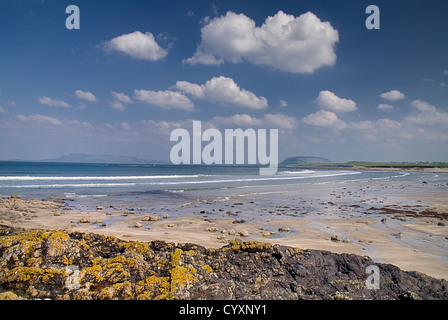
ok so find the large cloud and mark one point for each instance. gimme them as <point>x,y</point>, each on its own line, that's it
<point>137,45</point>
<point>327,100</point>
<point>225,90</point>
<point>286,43</point>
<point>166,99</point>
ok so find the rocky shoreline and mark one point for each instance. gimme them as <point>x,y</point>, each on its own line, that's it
<point>49,264</point>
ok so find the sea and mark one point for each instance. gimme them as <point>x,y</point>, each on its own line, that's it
<point>147,186</point>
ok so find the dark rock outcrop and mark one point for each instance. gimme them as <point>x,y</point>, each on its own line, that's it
<point>59,265</point>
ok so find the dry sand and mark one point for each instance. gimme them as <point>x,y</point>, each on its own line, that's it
<point>411,243</point>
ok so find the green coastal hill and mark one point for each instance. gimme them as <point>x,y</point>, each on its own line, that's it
<point>318,162</point>
<point>306,160</point>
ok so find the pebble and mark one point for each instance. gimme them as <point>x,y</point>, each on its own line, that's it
<point>231,232</point>
<point>99,208</point>
<point>138,225</point>
<point>335,238</point>
<point>84,220</point>
<point>166,216</point>
<point>57,213</point>
<point>15,196</point>
<point>441,224</point>
<point>266,234</point>
<point>212,229</point>
<point>171,225</point>
<point>283,229</point>
<point>244,233</point>
<point>150,218</point>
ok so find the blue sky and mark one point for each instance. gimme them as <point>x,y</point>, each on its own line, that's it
<point>136,70</point>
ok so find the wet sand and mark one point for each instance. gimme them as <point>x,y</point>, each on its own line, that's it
<point>389,222</point>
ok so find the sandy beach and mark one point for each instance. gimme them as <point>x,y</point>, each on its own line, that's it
<point>388,223</point>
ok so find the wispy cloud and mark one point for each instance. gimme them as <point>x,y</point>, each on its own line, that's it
<point>53,102</point>
<point>122,97</point>
<point>39,118</point>
<point>165,99</point>
<point>283,103</point>
<point>277,121</point>
<point>117,105</point>
<point>384,107</point>
<point>86,95</point>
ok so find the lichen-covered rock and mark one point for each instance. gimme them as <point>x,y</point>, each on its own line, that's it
<point>58,265</point>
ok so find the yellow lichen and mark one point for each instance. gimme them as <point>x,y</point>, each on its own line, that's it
<point>94,272</point>
<point>29,274</point>
<point>176,257</point>
<point>181,276</point>
<point>26,242</point>
<point>9,296</point>
<point>66,261</point>
<point>140,247</point>
<point>207,268</point>
<point>117,291</point>
<point>153,288</point>
<point>57,242</point>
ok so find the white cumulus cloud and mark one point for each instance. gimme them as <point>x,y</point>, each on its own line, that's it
<point>327,100</point>
<point>392,95</point>
<point>287,43</point>
<point>86,95</point>
<point>166,99</point>
<point>138,45</point>
<point>224,90</point>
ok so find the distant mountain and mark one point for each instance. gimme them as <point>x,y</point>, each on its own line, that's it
<point>102,158</point>
<point>305,160</point>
